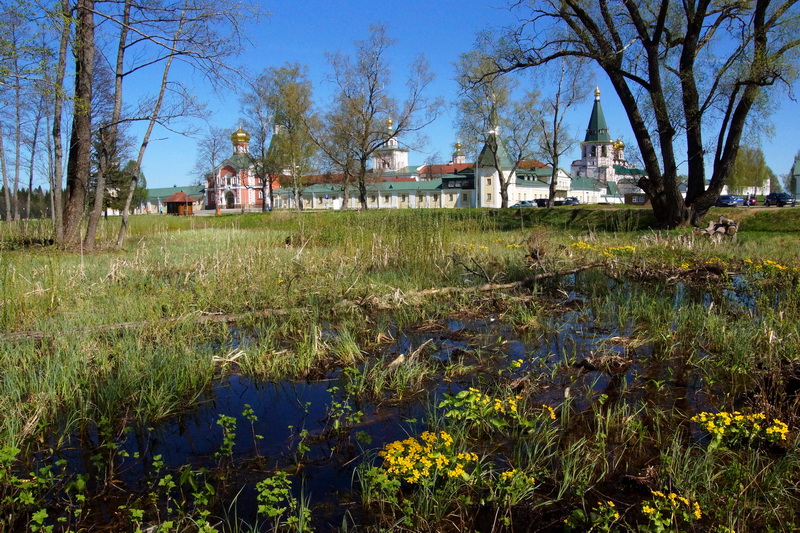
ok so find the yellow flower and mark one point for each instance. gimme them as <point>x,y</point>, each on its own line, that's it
<point>648,510</point>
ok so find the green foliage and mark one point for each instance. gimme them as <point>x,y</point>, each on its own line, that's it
<point>749,170</point>
<point>228,424</point>
<point>276,502</point>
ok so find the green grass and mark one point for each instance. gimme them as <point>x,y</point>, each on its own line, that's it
<point>135,335</point>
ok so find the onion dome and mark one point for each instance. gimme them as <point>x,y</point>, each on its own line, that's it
<point>619,145</point>
<point>389,123</point>
<point>240,136</point>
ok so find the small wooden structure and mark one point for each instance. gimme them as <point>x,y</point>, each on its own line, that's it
<point>180,204</point>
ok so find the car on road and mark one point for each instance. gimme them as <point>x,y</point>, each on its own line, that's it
<point>524,203</point>
<point>728,200</point>
<point>780,199</point>
<point>750,200</point>
<point>569,200</point>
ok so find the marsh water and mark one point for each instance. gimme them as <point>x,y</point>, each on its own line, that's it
<point>576,352</point>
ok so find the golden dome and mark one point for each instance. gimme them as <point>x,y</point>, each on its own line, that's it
<point>240,136</point>
<point>389,123</point>
<point>619,145</point>
<point>596,92</point>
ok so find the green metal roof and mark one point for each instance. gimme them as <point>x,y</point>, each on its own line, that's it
<point>598,129</point>
<point>532,184</point>
<point>626,171</point>
<point>589,184</point>
<point>376,187</point>
<point>239,160</point>
<point>409,170</point>
<point>165,192</point>
<point>613,188</point>
<point>493,145</point>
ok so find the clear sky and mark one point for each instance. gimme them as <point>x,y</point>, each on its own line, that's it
<point>304,30</point>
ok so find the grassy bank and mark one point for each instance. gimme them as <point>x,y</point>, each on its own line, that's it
<point>607,419</point>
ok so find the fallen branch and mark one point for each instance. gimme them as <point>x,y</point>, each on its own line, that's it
<point>526,282</point>
<point>229,319</point>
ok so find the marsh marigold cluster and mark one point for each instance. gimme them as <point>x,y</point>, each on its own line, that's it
<point>737,426</point>
<point>665,508</point>
<point>608,251</point>
<point>413,460</point>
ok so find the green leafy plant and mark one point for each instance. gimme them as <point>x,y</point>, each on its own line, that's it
<point>276,502</point>
<point>228,424</point>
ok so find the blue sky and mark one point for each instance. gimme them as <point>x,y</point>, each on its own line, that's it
<point>303,31</point>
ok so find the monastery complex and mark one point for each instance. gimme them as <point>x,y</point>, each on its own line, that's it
<point>601,175</point>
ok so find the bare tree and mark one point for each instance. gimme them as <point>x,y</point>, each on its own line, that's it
<point>338,145</point>
<point>488,107</point>
<point>64,24</point>
<point>201,33</point>
<point>363,103</point>
<point>684,66</point>
<point>211,148</point>
<point>80,147</point>
<point>279,113</point>
<point>555,138</point>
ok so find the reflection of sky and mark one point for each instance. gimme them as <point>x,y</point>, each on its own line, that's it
<point>304,31</point>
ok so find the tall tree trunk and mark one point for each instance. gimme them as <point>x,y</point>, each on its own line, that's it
<point>146,139</point>
<point>80,149</point>
<point>17,143</point>
<point>345,192</point>
<point>56,176</point>
<point>108,134</point>
<point>553,182</point>
<point>6,190</point>
<point>34,142</point>
<point>362,185</point>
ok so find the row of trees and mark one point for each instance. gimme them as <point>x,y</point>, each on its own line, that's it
<point>291,137</point>
<point>114,46</point>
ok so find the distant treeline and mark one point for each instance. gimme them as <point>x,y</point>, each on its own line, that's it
<point>32,204</point>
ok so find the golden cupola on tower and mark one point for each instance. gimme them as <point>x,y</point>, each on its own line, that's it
<point>619,145</point>
<point>240,136</point>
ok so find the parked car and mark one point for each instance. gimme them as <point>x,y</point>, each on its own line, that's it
<point>524,203</point>
<point>571,200</point>
<point>780,199</point>
<point>728,200</point>
<point>750,200</point>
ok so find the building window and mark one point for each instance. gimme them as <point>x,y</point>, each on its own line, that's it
<point>450,197</point>
<point>435,197</point>
<point>386,198</point>
<point>464,197</point>
<point>260,195</point>
<point>489,197</point>
<point>603,151</point>
<point>372,199</point>
<point>594,151</point>
<point>402,197</point>
<point>488,182</point>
